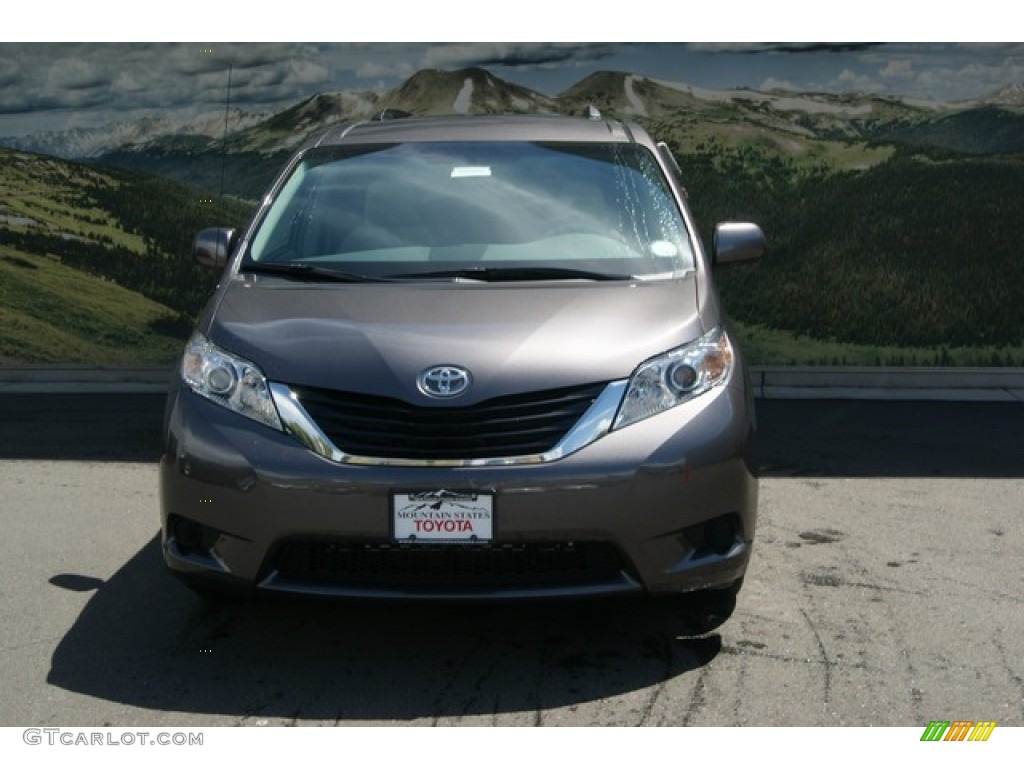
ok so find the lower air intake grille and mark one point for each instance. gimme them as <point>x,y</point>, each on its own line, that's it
<point>426,567</point>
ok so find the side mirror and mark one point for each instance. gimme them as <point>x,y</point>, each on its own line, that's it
<point>737,241</point>
<point>212,246</point>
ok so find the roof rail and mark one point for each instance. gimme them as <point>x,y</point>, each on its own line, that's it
<point>390,114</point>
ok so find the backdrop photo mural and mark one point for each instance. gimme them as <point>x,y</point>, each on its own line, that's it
<point>888,177</point>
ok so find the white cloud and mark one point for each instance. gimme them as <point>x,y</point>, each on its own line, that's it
<point>898,69</point>
<point>773,84</point>
<point>77,73</point>
<point>848,80</point>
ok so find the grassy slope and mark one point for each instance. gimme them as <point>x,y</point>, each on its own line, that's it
<point>768,346</point>
<point>54,195</point>
<point>51,313</point>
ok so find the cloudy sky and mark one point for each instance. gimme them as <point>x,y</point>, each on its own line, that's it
<point>55,86</point>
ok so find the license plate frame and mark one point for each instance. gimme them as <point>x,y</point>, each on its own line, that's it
<point>442,516</point>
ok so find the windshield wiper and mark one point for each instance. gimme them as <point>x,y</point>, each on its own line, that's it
<point>310,272</point>
<point>499,274</point>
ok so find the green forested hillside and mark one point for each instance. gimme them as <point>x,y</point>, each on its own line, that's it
<point>95,264</point>
<point>245,174</point>
<point>978,131</point>
<point>52,313</point>
<point>132,228</point>
<point>915,251</point>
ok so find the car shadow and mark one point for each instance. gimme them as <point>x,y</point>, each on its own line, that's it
<point>870,438</point>
<point>81,427</point>
<point>146,641</point>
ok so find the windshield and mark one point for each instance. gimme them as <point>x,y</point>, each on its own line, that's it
<point>468,209</point>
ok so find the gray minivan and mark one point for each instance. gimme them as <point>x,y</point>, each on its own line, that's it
<point>465,358</point>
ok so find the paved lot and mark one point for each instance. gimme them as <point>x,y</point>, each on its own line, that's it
<point>886,589</point>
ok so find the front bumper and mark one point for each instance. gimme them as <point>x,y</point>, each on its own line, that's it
<point>664,506</point>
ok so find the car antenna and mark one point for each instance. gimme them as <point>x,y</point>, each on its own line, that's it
<point>224,142</point>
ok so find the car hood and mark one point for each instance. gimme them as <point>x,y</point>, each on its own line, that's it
<point>512,337</point>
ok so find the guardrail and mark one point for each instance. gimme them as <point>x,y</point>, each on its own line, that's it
<point>85,379</point>
<point>770,382</point>
<point>846,383</point>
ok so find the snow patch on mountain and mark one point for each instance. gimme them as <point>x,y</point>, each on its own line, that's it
<point>812,106</point>
<point>783,103</point>
<point>1007,96</point>
<point>84,143</point>
<point>464,99</point>
<point>635,103</point>
<point>797,102</point>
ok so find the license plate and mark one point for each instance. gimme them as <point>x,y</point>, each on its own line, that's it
<point>427,517</point>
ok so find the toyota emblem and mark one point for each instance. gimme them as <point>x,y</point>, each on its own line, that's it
<point>443,381</point>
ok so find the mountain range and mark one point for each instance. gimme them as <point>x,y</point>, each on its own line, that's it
<point>989,124</point>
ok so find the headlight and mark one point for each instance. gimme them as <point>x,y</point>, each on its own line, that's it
<point>675,377</point>
<point>228,380</point>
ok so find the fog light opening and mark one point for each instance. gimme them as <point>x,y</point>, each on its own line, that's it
<point>191,536</point>
<point>721,535</point>
<point>714,537</point>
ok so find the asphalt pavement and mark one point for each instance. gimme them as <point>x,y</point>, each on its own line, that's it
<point>885,589</point>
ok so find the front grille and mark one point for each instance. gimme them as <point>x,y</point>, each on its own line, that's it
<point>387,428</point>
<point>436,567</point>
